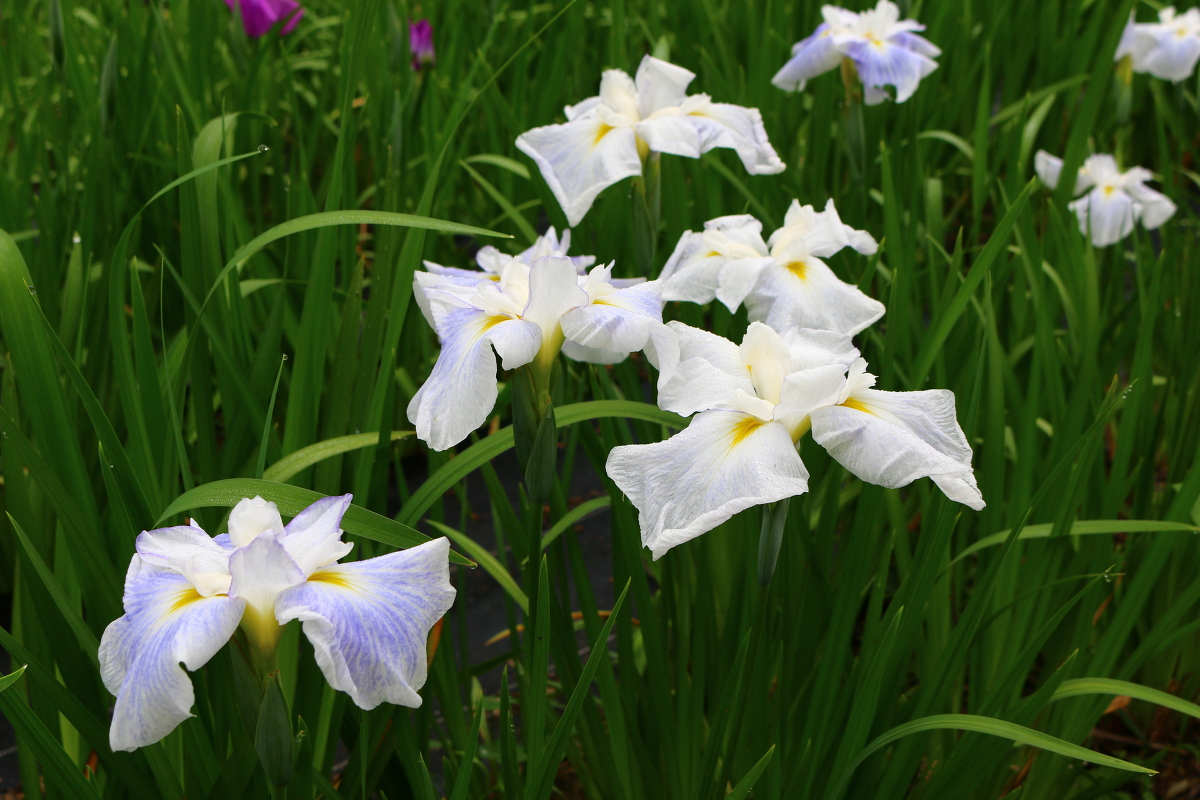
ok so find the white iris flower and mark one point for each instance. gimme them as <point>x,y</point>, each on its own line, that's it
<point>1167,49</point>
<point>782,281</point>
<point>753,403</point>
<point>884,49</point>
<point>526,316</point>
<point>1116,199</point>
<point>606,137</point>
<point>186,593</point>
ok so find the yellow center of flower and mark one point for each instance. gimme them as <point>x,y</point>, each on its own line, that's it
<point>798,268</point>
<point>601,132</point>
<point>331,577</point>
<point>857,405</point>
<point>185,599</point>
<point>742,429</point>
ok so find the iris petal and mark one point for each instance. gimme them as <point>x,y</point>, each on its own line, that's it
<point>368,621</point>
<point>811,57</point>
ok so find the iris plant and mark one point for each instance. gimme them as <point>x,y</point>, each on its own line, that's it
<point>1114,201</point>
<point>752,403</point>
<point>1167,49</point>
<point>187,593</point>
<point>882,48</point>
<point>606,138</point>
<point>782,281</point>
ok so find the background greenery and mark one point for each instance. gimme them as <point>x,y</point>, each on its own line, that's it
<point>1075,371</point>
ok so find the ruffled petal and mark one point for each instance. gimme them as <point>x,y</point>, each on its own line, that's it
<point>807,294</point>
<point>580,159</point>
<point>447,280</point>
<point>660,84</point>
<point>823,233</point>
<point>618,323</point>
<point>166,623</point>
<point>1108,214</point>
<point>742,130</point>
<point>918,44</point>
<point>187,549</point>
<point>721,263</point>
<point>722,463</point>
<point>893,438</point>
<point>314,537</point>
<point>368,621</point>
<point>884,63</point>
<point>461,390</point>
<point>710,373</point>
<point>1156,208</point>
<point>811,57</point>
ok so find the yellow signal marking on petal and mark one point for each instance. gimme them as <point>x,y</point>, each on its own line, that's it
<point>858,405</point>
<point>798,268</point>
<point>333,578</point>
<point>712,254</point>
<point>601,132</point>
<point>185,599</point>
<point>1108,190</point>
<point>490,322</point>
<point>743,429</point>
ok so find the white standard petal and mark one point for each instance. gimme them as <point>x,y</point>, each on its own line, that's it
<point>190,551</point>
<point>660,84</point>
<point>314,537</point>
<point>252,517</point>
<point>368,621</point>
<point>580,159</point>
<point>461,390</point>
<point>426,285</point>
<point>738,128</point>
<point>1106,213</point>
<point>805,392</point>
<point>553,291</point>
<point>1156,208</point>
<point>722,463</point>
<point>893,438</point>
<point>723,262</point>
<point>710,373</point>
<point>806,293</point>
<point>166,623</point>
<point>811,57</point>
<point>823,232</point>
<point>261,570</point>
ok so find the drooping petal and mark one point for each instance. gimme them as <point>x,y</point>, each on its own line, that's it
<point>882,63</point>
<point>660,84</point>
<point>1173,57</point>
<point>710,373</point>
<point>738,128</point>
<point>447,280</point>
<point>722,463</point>
<point>580,159</point>
<point>893,438</point>
<point>314,537</point>
<point>166,623</point>
<point>618,323</point>
<point>190,551</point>
<point>1105,212</point>
<point>1156,208</point>
<point>811,57</point>
<point>368,621</point>
<point>461,390</point>
<point>807,294</point>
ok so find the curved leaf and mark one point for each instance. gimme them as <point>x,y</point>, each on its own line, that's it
<point>1019,734</point>
<point>1085,686</point>
<point>467,461</point>
<point>305,457</point>
<point>291,501</point>
<point>1090,526</point>
<point>489,562</point>
<point>573,516</point>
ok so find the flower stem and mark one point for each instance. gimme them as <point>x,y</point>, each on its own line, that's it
<point>770,538</point>
<point>852,122</point>
<point>646,202</point>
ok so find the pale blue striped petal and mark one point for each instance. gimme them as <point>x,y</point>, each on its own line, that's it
<point>810,57</point>
<point>368,621</point>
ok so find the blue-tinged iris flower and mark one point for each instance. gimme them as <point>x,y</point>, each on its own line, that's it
<point>1167,49</point>
<point>605,138</point>
<point>525,313</point>
<point>885,50</point>
<point>752,403</point>
<point>1116,201</point>
<point>186,594</point>
<point>782,281</point>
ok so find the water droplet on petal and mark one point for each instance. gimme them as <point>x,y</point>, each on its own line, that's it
<point>262,148</point>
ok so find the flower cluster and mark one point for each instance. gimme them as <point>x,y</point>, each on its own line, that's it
<point>187,593</point>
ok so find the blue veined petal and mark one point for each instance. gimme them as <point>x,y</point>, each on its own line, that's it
<point>885,64</point>
<point>1106,214</point>
<point>166,623</point>
<point>811,57</point>
<point>461,390</point>
<point>916,43</point>
<point>314,537</point>
<point>368,621</point>
<point>722,463</point>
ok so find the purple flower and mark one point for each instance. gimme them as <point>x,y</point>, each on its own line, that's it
<point>420,42</point>
<point>259,15</point>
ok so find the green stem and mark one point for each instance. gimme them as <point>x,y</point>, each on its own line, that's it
<point>646,202</point>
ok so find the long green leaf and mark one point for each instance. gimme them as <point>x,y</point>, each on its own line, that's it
<point>489,562</point>
<point>1083,527</point>
<point>1087,686</point>
<point>305,457</point>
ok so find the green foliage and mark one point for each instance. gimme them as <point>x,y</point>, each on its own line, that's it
<point>185,206</point>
